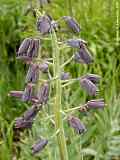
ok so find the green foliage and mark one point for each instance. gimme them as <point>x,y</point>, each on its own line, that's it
<point>98,23</point>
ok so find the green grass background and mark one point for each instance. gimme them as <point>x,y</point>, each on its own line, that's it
<point>98,22</point>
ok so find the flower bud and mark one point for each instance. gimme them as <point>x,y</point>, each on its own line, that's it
<point>75,43</point>
<point>39,145</point>
<point>95,104</point>
<point>75,123</point>
<point>90,87</point>
<point>72,24</point>
<point>43,67</point>
<point>65,75</point>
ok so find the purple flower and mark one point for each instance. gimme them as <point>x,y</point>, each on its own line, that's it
<point>28,49</point>
<point>17,94</point>
<point>33,48</point>
<point>44,24</point>
<point>72,24</point>
<point>83,56</point>
<point>22,124</point>
<point>75,43</point>
<point>43,67</point>
<point>89,86</point>
<point>97,103</point>
<point>31,113</point>
<point>43,94</point>
<point>33,73</point>
<point>65,75</point>
<point>92,77</point>
<point>27,94</point>
<point>75,123</point>
<point>39,145</point>
<point>22,51</point>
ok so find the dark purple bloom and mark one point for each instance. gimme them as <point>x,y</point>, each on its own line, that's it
<point>27,94</point>
<point>43,67</point>
<point>39,145</point>
<point>28,49</point>
<point>33,48</point>
<point>83,56</point>
<point>75,123</point>
<point>75,43</point>
<point>92,77</point>
<point>65,75</point>
<point>97,103</point>
<point>90,87</point>
<point>44,24</point>
<point>31,113</point>
<point>33,73</point>
<point>72,24</point>
<point>22,124</point>
<point>17,94</point>
<point>22,51</point>
<point>43,94</point>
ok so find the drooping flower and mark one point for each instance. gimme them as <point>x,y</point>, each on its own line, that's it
<point>95,104</point>
<point>83,56</point>
<point>27,94</point>
<point>89,86</point>
<point>75,43</point>
<point>28,49</point>
<point>43,24</point>
<point>75,123</point>
<point>22,51</point>
<point>72,24</point>
<point>31,113</point>
<point>22,124</point>
<point>39,145</point>
<point>43,94</point>
<point>32,74</point>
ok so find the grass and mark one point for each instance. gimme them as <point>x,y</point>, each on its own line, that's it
<point>98,23</point>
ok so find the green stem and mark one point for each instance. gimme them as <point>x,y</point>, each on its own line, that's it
<point>57,104</point>
<point>69,6</point>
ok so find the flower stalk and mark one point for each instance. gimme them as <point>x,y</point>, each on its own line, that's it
<point>57,104</point>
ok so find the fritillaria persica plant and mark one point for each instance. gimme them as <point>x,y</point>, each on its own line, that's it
<point>36,90</point>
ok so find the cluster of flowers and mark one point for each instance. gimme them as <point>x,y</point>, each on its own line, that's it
<point>28,51</point>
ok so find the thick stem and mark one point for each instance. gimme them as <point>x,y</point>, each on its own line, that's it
<point>57,104</point>
<point>69,6</point>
